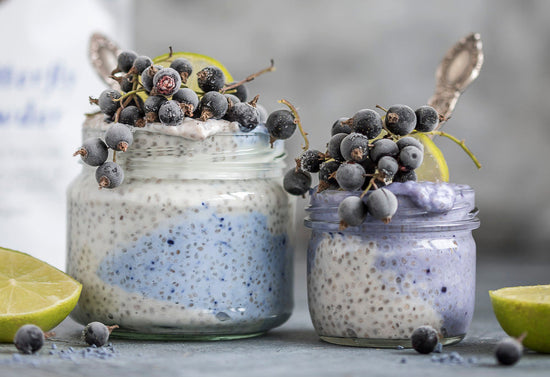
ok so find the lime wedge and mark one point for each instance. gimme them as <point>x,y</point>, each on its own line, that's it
<point>32,291</point>
<point>434,167</point>
<point>525,310</point>
<point>198,62</point>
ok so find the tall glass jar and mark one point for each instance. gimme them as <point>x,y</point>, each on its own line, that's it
<point>372,285</point>
<point>193,245</point>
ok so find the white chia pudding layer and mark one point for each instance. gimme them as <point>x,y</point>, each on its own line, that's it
<point>195,240</point>
<point>383,281</point>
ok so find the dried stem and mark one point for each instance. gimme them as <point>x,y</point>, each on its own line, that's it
<point>459,142</point>
<point>297,121</point>
<point>271,68</point>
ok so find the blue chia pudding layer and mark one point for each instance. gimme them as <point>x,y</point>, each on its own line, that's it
<point>382,281</point>
<point>189,243</point>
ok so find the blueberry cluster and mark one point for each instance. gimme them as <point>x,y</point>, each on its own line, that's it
<point>95,151</point>
<point>366,152</point>
<point>168,100</point>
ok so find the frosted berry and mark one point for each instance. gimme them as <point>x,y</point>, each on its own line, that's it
<point>210,79</point>
<point>109,175</point>
<point>170,113</point>
<point>167,81</point>
<point>96,333</point>
<point>382,204</point>
<point>427,119</point>
<point>400,120</point>
<point>119,137</point>
<point>280,124</point>
<point>213,105</point>
<point>352,211</point>
<point>297,181</point>
<point>29,339</point>
<point>183,67</point>
<point>424,339</point>
<point>93,151</point>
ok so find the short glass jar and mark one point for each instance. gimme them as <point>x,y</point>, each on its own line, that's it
<point>372,285</point>
<point>195,242</point>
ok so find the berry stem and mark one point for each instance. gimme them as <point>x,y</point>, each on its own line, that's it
<point>126,95</point>
<point>459,142</point>
<point>271,68</point>
<point>381,108</point>
<point>297,121</point>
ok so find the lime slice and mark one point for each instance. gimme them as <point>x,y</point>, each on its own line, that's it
<point>32,291</point>
<point>198,62</point>
<point>525,310</point>
<point>434,167</point>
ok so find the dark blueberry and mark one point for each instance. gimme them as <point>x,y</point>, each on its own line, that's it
<point>409,140</point>
<point>297,181</point>
<point>119,137</point>
<point>132,116</point>
<point>427,118</point>
<point>355,147</point>
<point>167,81</point>
<point>233,98</point>
<point>327,172</point>
<point>93,151</point>
<point>241,92</point>
<point>383,147</point>
<point>424,339</point>
<point>400,120</point>
<point>333,146</point>
<point>210,79</point>
<point>140,64</point>
<point>170,113</point>
<point>404,176</point>
<point>280,124</point>
<point>147,76</point>
<point>388,166</point>
<point>369,166</point>
<point>213,105</point>
<point>125,61</point>
<point>367,122</point>
<point>311,160</point>
<point>338,127</point>
<point>382,204</point>
<point>152,106</point>
<point>350,176</point>
<point>352,211</point>
<point>109,175</point>
<point>106,103</point>
<point>508,351</point>
<point>188,98</point>
<point>411,157</point>
<point>183,67</point>
<point>96,333</point>
<point>245,114</point>
<point>127,83</point>
<point>29,339</point>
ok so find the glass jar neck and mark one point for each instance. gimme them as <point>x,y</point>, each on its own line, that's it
<point>162,152</point>
<point>414,213</point>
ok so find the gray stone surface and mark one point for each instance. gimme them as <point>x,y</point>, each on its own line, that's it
<point>292,349</point>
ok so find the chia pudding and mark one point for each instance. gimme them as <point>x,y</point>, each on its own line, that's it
<point>194,243</point>
<point>373,284</point>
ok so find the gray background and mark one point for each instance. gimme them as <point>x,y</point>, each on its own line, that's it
<point>336,57</point>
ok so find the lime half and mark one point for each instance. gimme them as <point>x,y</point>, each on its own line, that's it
<point>198,62</point>
<point>434,167</point>
<point>32,291</point>
<point>522,310</point>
